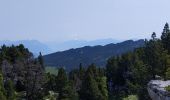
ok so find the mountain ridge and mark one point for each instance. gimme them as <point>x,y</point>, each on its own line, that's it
<point>86,55</point>
<point>45,48</point>
<point>62,46</point>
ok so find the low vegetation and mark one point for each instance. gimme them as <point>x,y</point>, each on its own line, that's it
<point>167,88</point>
<point>131,97</point>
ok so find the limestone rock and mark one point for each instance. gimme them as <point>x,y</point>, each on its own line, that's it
<point>157,91</point>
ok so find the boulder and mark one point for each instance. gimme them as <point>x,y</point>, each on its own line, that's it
<point>157,91</point>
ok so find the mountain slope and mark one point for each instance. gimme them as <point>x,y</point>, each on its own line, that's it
<point>86,55</point>
<point>62,46</point>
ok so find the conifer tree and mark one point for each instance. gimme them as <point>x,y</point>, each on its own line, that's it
<point>9,87</point>
<point>90,90</point>
<point>153,36</point>
<point>61,81</point>
<point>165,37</point>
<point>165,32</point>
<point>68,92</point>
<point>41,61</point>
<point>102,85</point>
<point>2,89</point>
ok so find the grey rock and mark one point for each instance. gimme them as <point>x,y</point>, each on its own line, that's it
<point>157,91</point>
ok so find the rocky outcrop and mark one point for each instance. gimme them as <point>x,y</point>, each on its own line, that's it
<point>157,91</point>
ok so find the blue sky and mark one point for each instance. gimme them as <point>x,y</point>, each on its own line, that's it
<point>63,20</point>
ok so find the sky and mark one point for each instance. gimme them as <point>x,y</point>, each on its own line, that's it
<point>64,20</point>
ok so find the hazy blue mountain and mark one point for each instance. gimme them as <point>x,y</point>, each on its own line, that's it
<point>50,47</point>
<point>33,45</point>
<point>61,46</point>
<point>90,54</point>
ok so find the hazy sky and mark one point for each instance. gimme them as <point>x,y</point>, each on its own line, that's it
<point>62,20</point>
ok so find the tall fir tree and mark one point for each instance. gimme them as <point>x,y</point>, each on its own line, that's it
<point>165,37</point>
<point>90,90</point>
<point>2,89</point>
<point>9,87</point>
<point>41,61</point>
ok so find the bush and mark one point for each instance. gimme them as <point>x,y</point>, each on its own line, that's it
<point>168,74</point>
<point>167,88</point>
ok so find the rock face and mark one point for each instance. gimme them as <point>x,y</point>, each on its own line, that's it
<point>156,90</point>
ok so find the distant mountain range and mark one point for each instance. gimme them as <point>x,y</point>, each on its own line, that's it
<point>61,46</point>
<point>50,47</point>
<point>33,45</point>
<point>98,55</point>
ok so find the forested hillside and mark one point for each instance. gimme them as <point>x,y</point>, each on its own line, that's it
<point>125,76</point>
<point>98,55</point>
<point>22,76</point>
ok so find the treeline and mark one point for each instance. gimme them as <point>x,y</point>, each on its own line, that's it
<point>79,84</point>
<point>23,77</point>
<point>129,74</point>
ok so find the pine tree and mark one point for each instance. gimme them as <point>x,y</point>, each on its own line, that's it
<point>165,32</point>
<point>111,73</point>
<point>168,74</point>
<point>2,89</point>
<point>153,36</point>
<point>41,61</point>
<point>68,92</point>
<point>81,72</point>
<point>165,37</point>
<point>61,81</point>
<point>102,85</point>
<point>94,86</point>
<point>90,90</point>
<point>156,57</point>
<point>65,87</point>
<point>9,87</point>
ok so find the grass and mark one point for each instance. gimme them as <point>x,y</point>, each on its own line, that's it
<point>51,70</point>
<point>131,97</point>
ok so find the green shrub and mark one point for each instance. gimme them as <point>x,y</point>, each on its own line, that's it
<point>167,88</point>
